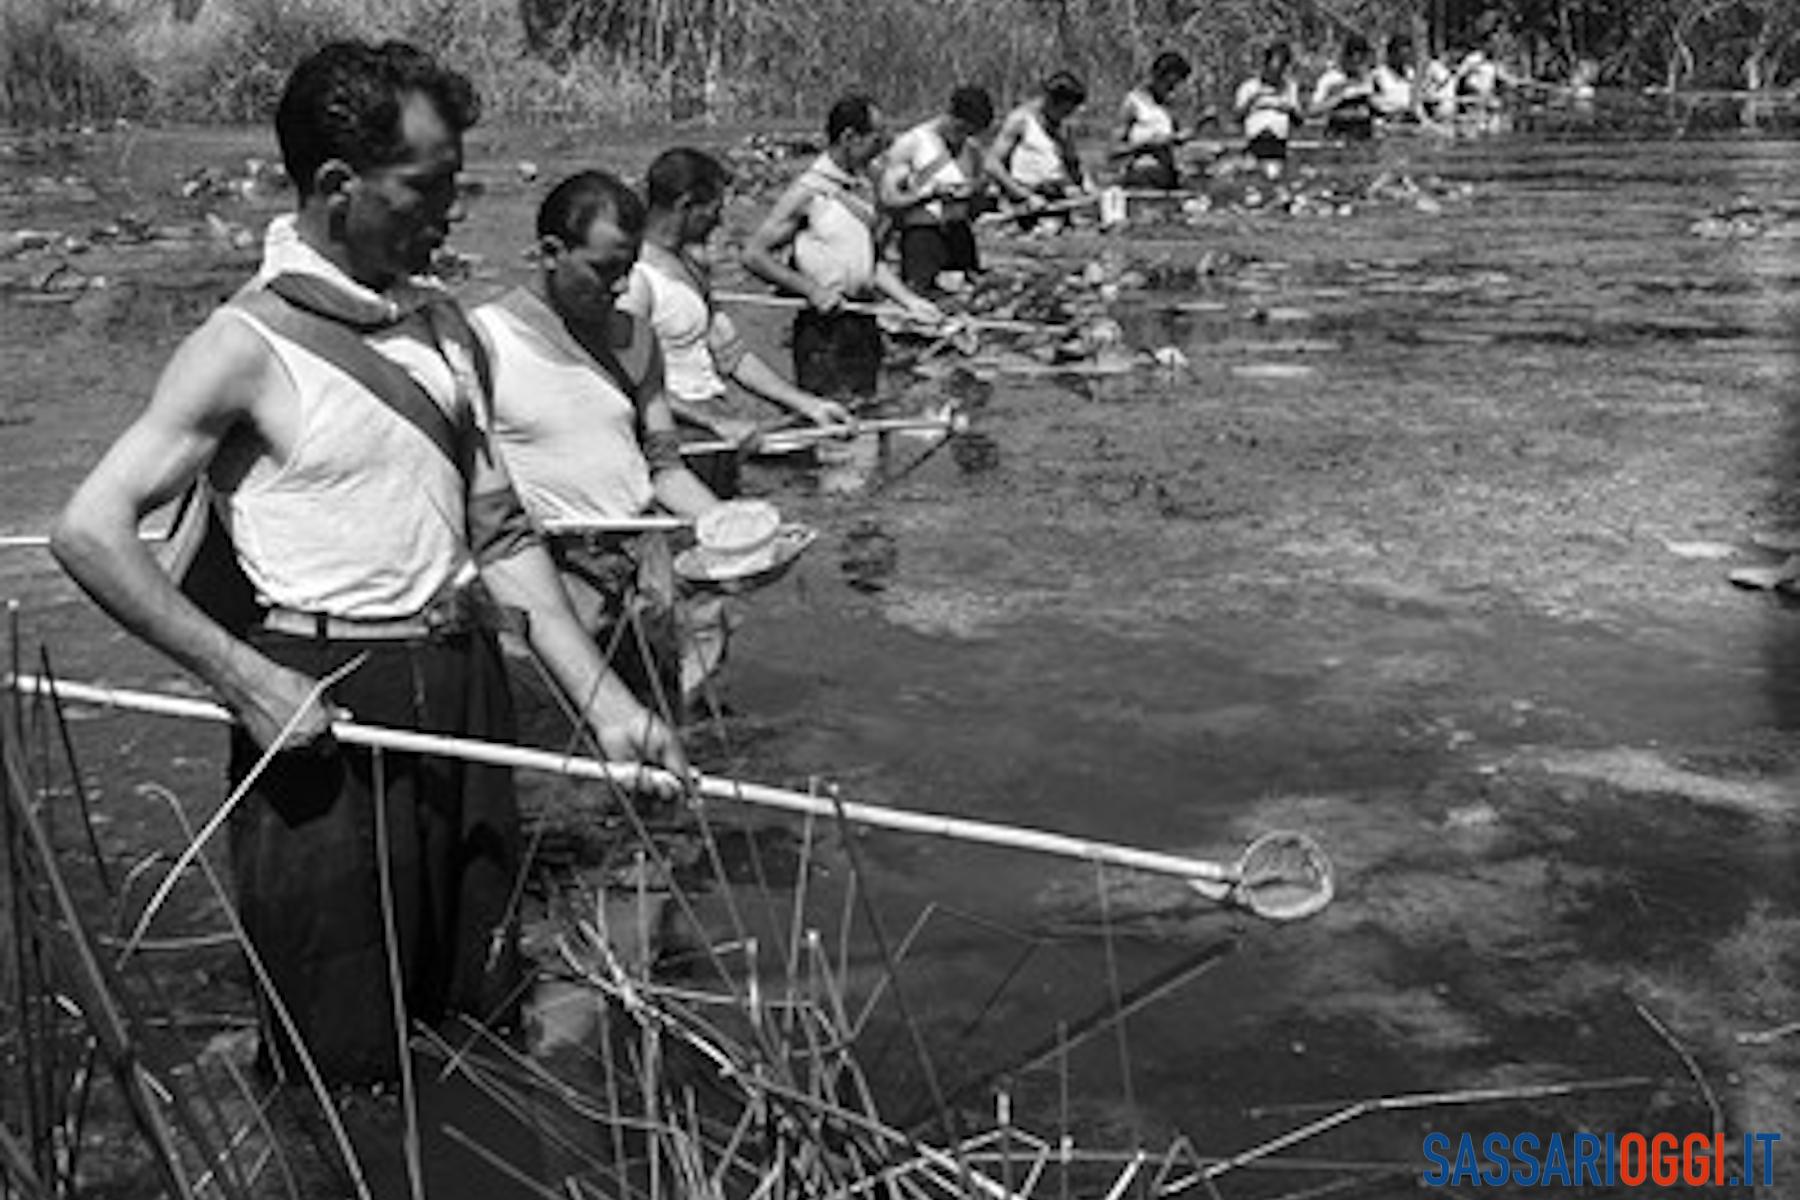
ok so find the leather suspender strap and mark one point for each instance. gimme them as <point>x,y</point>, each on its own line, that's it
<point>344,348</point>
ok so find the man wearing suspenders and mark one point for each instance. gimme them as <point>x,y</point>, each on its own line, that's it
<point>933,181</point>
<point>337,407</point>
<point>822,242</point>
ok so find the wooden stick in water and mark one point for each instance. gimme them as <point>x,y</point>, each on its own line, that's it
<point>647,524</point>
<point>894,311</point>
<point>1054,208</point>
<point>633,775</point>
<point>802,435</point>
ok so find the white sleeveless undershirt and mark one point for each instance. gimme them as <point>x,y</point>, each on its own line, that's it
<point>836,245</point>
<point>566,430</point>
<point>1147,119</point>
<point>365,519</point>
<point>684,330</point>
<point>1036,157</point>
<point>929,161</point>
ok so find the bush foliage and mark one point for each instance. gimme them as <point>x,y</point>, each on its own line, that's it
<point>222,60</point>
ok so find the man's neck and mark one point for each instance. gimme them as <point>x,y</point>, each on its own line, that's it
<point>540,287</point>
<point>314,227</point>
<point>840,157</point>
<point>663,230</point>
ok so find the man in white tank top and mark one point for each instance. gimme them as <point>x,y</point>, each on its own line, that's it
<point>583,421</point>
<point>671,289</point>
<point>1033,158</point>
<point>359,522</point>
<point>1149,134</point>
<point>822,242</point>
<point>932,182</point>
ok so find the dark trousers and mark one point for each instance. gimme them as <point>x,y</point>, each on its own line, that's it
<point>1154,171</point>
<point>721,471</point>
<point>837,355</point>
<point>303,857</point>
<point>1268,147</point>
<point>925,250</point>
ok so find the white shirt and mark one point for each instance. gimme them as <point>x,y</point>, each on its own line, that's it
<point>1393,91</point>
<point>928,161</point>
<point>836,242</point>
<point>685,323</point>
<point>567,431</point>
<point>1267,109</point>
<point>1146,120</point>
<point>365,517</point>
<point>1037,158</point>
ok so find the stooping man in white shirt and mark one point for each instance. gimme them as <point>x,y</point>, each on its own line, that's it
<point>582,420</point>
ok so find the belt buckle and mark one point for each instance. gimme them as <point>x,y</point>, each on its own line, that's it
<point>447,614</point>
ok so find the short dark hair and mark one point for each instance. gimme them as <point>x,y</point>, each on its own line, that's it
<point>1280,52</point>
<point>1400,51</point>
<point>572,207</point>
<point>1067,87</point>
<point>1171,64</point>
<point>345,100</point>
<point>854,113</point>
<point>1357,48</point>
<point>684,173</point>
<point>972,105</point>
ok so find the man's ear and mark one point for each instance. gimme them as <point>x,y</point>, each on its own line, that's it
<point>333,178</point>
<point>549,246</point>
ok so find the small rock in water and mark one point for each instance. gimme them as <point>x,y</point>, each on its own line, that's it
<point>1710,551</point>
<point>1473,816</point>
<point>869,556</point>
<point>975,453</point>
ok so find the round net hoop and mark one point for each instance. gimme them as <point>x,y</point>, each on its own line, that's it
<point>1284,876</point>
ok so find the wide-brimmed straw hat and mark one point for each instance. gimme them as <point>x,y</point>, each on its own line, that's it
<point>742,542</point>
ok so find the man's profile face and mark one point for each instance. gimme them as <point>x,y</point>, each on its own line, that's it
<point>1167,83</point>
<point>702,216</point>
<point>866,147</point>
<point>588,279</point>
<point>399,213</point>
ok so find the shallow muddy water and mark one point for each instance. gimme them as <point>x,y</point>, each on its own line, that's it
<point>1423,594</point>
<point>1421,550</point>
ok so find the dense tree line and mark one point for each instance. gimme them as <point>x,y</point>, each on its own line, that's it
<point>744,58</point>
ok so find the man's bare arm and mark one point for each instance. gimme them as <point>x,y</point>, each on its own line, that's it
<point>522,576</point>
<point>897,188</point>
<point>766,251</point>
<point>222,380</point>
<point>677,488</point>
<point>999,155</point>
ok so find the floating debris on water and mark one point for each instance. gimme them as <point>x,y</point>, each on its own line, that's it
<point>1273,371</point>
<point>975,453</point>
<point>1743,218</point>
<point>869,555</point>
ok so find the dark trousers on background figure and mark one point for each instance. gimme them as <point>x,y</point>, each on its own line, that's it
<point>838,355</point>
<point>928,250</point>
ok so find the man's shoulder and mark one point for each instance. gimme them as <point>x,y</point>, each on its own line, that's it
<point>234,333</point>
<point>513,308</point>
<point>225,367</point>
<point>911,142</point>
